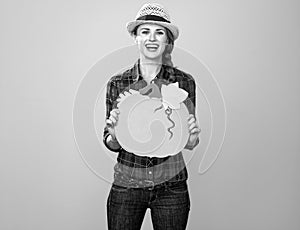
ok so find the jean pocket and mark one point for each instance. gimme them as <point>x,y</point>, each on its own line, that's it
<point>179,187</point>
<point>119,188</point>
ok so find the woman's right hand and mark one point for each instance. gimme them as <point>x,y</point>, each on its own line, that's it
<point>112,121</point>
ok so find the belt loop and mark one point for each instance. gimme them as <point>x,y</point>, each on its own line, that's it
<point>166,185</point>
<point>151,183</point>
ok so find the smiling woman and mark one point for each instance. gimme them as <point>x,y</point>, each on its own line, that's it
<point>151,40</point>
<point>143,178</point>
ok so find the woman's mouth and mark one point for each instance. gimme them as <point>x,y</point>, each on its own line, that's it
<point>152,47</point>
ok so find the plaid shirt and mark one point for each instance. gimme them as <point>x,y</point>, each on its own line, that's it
<point>139,170</point>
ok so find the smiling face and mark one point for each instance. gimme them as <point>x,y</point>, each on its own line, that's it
<point>151,40</point>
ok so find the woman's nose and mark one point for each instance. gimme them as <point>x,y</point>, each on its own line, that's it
<point>152,37</point>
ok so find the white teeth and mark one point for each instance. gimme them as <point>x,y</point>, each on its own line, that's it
<point>152,46</point>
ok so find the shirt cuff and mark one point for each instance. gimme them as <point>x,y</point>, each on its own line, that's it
<point>192,146</point>
<point>107,146</point>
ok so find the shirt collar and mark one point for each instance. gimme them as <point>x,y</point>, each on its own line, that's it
<point>137,75</point>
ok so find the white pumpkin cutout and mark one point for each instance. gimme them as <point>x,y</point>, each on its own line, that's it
<point>150,125</point>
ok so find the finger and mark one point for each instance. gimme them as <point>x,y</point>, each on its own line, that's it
<point>133,91</point>
<point>114,114</point>
<point>109,123</point>
<point>113,120</point>
<point>195,130</point>
<point>115,111</point>
<point>127,93</point>
<point>191,120</point>
<point>114,117</point>
<point>191,116</point>
<point>193,125</point>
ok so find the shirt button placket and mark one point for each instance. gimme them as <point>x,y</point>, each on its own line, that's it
<point>150,170</point>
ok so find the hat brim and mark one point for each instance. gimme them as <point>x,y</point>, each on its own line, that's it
<point>132,25</point>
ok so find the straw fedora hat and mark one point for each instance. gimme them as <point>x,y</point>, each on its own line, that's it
<point>155,14</point>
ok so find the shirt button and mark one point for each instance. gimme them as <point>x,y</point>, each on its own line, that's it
<point>150,172</point>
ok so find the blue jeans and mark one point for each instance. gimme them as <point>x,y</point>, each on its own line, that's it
<point>169,204</point>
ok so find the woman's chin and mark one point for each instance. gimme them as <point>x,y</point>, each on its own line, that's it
<point>153,57</point>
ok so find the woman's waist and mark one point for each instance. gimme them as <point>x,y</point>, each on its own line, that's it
<point>136,169</point>
<point>133,160</point>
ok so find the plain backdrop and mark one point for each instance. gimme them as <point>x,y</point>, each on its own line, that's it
<point>252,48</point>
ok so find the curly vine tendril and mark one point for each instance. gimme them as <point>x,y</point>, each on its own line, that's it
<point>168,111</point>
<point>160,107</point>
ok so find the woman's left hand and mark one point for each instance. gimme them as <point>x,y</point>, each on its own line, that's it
<point>194,130</point>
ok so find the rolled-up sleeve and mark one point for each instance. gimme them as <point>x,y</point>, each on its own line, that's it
<point>189,85</point>
<point>112,94</point>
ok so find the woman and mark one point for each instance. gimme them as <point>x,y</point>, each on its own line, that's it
<point>142,182</point>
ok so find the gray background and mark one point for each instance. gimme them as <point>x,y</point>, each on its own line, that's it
<point>252,47</point>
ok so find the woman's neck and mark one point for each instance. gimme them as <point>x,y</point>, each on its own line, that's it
<point>149,69</point>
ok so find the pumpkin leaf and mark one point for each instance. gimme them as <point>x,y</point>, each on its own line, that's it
<point>172,95</point>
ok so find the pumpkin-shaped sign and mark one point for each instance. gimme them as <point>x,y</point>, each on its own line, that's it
<point>153,125</point>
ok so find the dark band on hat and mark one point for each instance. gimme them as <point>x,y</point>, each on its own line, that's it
<point>153,18</point>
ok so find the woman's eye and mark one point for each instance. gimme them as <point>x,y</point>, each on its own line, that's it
<point>144,32</point>
<point>160,33</point>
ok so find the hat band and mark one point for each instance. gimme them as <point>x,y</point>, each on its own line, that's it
<point>152,18</point>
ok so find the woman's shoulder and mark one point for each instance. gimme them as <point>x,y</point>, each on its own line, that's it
<point>123,75</point>
<point>182,74</point>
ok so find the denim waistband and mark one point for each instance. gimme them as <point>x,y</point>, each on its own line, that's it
<point>146,184</point>
<point>132,160</point>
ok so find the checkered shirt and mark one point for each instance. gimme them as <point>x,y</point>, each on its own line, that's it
<point>134,169</point>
